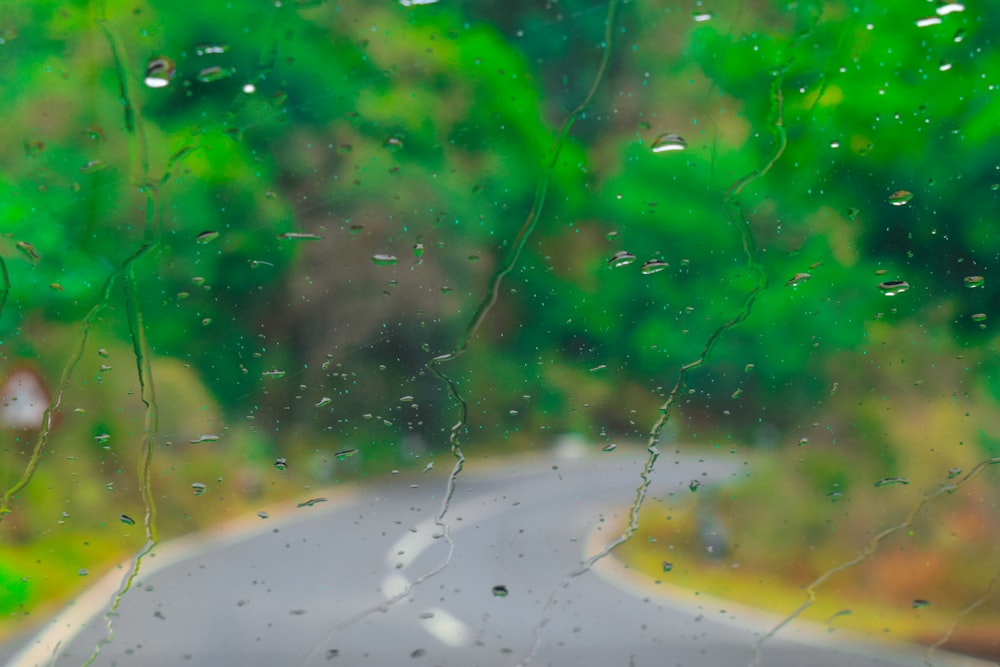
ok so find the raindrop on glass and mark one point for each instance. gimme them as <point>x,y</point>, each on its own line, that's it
<point>900,197</point>
<point>798,279</point>
<point>126,519</point>
<point>892,481</point>
<point>384,260</point>
<point>667,567</point>
<point>214,73</point>
<point>93,166</point>
<point>973,282</point>
<point>893,287</point>
<point>694,485</point>
<point>500,591</point>
<point>206,237</point>
<point>211,48</point>
<point>668,142</point>
<point>199,488</point>
<point>621,258</point>
<point>159,72</point>
<point>299,236</point>
<point>281,463</point>
<point>654,266</point>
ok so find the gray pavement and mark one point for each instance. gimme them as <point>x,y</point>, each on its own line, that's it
<point>340,583</point>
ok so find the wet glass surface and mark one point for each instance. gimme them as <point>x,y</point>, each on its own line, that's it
<point>501,334</point>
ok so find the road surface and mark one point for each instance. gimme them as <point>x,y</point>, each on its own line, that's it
<point>339,583</point>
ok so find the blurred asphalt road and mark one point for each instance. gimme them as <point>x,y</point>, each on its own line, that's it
<point>310,587</point>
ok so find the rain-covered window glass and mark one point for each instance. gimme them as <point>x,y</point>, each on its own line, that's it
<point>552,332</point>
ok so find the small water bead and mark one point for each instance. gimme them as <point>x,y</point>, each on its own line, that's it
<point>299,236</point>
<point>500,591</point>
<point>669,142</point>
<point>384,260</point>
<point>654,266</point>
<point>160,72</point>
<point>798,279</point>
<point>93,166</point>
<point>973,282</point>
<point>621,258</point>
<point>979,317</point>
<point>211,48</point>
<point>214,73</point>
<point>206,237</point>
<point>900,197</point>
<point>892,481</point>
<point>199,488</point>
<point>281,463</point>
<point>893,287</point>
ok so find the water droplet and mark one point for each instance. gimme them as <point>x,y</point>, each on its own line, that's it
<point>126,519</point>
<point>299,236</point>
<point>418,249</point>
<point>206,237</point>
<point>803,441</point>
<point>654,266</point>
<point>900,197</point>
<point>959,35</point>
<point>610,447</point>
<point>890,481</point>
<point>332,653</point>
<point>979,317</point>
<point>694,484</point>
<point>207,437</point>
<point>83,572</point>
<point>954,472</point>
<point>701,17</point>
<point>211,48</point>
<point>945,8</point>
<point>798,279</point>
<point>384,260</point>
<point>273,374</point>
<point>344,453</point>
<point>944,66</point>
<point>500,591</point>
<point>102,438</point>
<point>893,287</point>
<point>281,463</point>
<point>28,250</point>
<point>199,488</point>
<point>160,72</point>
<point>621,258</point>
<point>668,142</point>
<point>214,73</point>
<point>263,515</point>
<point>92,166</point>
<point>311,502</point>
<point>929,21</point>
<point>667,567</point>
<point>326,400</point>
<point>973,282</point>
<point>919,603</point>
<point>736,394</point>
<point>394,143</point>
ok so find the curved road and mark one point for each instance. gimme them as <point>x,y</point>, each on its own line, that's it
<point>311,587</point>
